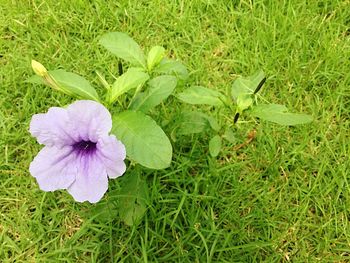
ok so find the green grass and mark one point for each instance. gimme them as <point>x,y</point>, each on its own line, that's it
<point>284,197</point>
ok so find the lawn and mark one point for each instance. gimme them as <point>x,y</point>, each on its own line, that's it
<point>282,197</point>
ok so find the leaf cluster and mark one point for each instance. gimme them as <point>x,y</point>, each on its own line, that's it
<point>149,80</point>
<point>243,99</point>
<point>146,84</point>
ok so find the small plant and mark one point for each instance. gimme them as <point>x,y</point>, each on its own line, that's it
<point>79,134</point>
<point>242,100</point>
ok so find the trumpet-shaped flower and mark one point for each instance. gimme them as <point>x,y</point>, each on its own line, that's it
<point>79,154</point>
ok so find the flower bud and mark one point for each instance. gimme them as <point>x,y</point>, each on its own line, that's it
<point>39,69</point>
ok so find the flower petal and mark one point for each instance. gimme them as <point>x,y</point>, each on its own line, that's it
<point>52,128</point>
<point>91,181</point>
<point>112,153</point>
<point>54,168</point>
<point>90,119</point>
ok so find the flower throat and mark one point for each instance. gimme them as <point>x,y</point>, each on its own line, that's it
<point>85,147</point>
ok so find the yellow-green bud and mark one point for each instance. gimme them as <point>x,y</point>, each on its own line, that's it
<point>39,69</point>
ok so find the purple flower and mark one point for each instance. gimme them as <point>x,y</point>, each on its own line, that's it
<point>79,154</point>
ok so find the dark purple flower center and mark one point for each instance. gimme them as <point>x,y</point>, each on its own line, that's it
<point>84,147</point>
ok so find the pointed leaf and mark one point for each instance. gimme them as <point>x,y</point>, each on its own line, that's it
<point>123,46</point>
<point>244,101</point>
<point>145,142</point>
<point>201,95</point>
<point>215,146</point>
<point>73,84</point>
<point>159,89</point>
<point>246,85</point>
<point>35,79</point>
<point>155,55</point>
<point>213,123</point>
<point>172,67</point>
<point>230,136</point>
<point>67,82</point>
<point>278,114</point>
<point>257,78</point>
<point>133,198</point>
<point>192,122</point>
<point>129,80</point>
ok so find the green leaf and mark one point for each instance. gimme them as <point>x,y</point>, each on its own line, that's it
<point>134,198</point>
<point>213,123</point>
<point>106,209</point>
<point>159,89</point>
<point>215,146</point>
<point>279,114</point>
<point>35,79</point>
<point>123,46</point>
<point>246,85</point>
<point>155,55</point>
<point>256,78</point>
<point>244,101</point>
<point>201,95</point>
<point>230,136</point>
<point>145,142</point>
<point>131,79</point>
<point>172,67</point>
<point>192,122</point>
<point>73,84</point>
